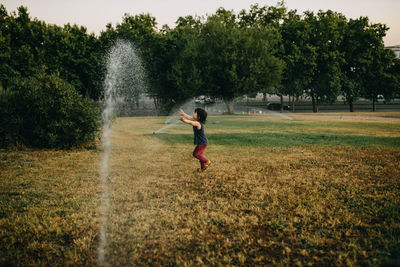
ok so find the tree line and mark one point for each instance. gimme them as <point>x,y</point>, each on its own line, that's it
<point>266,49</point>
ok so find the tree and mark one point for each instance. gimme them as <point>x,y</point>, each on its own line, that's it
<point>362,45</point>
<point>21,56</point>
<point>326,36</point>
<point>39,106</point>
<point>172,62</point>
<point>29,44</point>
<point>355,47</point>
<point>74,54</point>
<point>265,16</point>
<point>6,71</point>
<point>379,77</point>
<point>299,55</point>
<point>45,111</point>
<point>377,64</point>
<point>394,70</point>
<point>261,70</point>
<point>141,32</point>
<point>270,18</point>
<point>236,60</point>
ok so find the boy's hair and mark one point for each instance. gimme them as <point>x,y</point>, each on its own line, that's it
<point>201,114</point>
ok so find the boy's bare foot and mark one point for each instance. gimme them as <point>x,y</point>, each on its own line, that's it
<point>206,165</point>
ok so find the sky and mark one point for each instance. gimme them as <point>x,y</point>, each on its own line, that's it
<point>95,14</point>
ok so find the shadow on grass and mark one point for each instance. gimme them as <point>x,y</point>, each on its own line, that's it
<point>283,140</point>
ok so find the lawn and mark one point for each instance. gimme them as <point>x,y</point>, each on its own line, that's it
<point>308,191</point>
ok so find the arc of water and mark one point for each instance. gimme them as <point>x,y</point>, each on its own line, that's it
<point>107,115</point>
<point>166,127</point>
<point>124,76</point>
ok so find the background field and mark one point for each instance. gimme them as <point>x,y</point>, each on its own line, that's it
<point>303,191</point>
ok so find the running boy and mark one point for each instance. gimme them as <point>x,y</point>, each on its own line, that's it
<point>200,140</point>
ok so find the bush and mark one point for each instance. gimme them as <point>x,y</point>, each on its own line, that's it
<point>46,112</point>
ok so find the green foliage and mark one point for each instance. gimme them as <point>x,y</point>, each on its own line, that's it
<point>140,31</point>
<point>27,44</point>
<point>298,54</point>
<point>366,65</point>
<point>356,48</point>
<point>177,74</point>
<point>237,60</point>
<point>45,111</point>
<point>394,86</point>
<point>380,77</point>
<point>76,56</point>
<point>326,37</point>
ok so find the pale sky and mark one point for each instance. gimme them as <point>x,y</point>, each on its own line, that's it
<point>95,14</point>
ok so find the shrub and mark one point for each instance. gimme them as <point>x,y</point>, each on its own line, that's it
<point>45,111</point>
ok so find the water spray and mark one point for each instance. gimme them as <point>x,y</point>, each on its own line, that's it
<point>123,80</point>
<point>166,127</point>
<point>172,120</point>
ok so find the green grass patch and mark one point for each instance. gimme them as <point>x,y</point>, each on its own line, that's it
<point>271,131</point>
<point>284,139</point>
<point>298,125</point>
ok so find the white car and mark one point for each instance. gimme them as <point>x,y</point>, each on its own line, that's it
<point>203,100</point>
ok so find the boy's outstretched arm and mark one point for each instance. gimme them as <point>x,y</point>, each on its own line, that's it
<point>191,122</point>
<point>185,115</point>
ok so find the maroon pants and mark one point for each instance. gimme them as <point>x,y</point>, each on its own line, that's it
<point>198,153</point>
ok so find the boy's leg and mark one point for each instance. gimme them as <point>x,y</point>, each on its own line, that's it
<point>205,163</point>
<point>195,152</point>
<point>200,154</point>
<point>196,155</point>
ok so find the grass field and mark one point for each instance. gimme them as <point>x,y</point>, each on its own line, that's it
<point>280,192</point>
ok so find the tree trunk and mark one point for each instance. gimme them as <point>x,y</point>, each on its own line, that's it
<point>351,105</point>
<point>247,104</point>
<point>374,104</point>
<point>314,104</point>
<point>281,103</point>
<point>229,105</point>
<point>137,101</point>
<point>155,102</point>
<point>264,97</point>
<point>292,106</point>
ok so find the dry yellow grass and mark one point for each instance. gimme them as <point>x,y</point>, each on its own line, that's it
<point>256,205</point>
